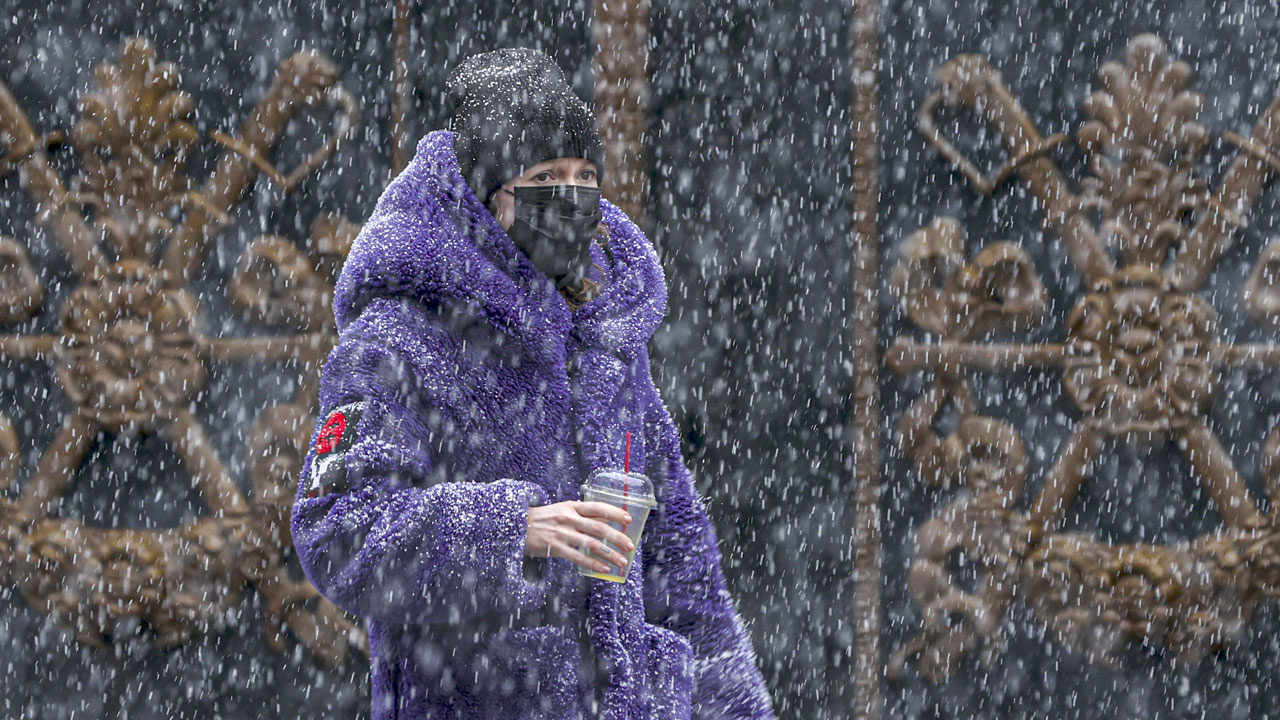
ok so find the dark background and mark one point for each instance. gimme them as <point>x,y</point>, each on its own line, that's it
<point>749,209</point>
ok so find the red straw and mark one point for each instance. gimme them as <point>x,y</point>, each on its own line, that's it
<point>626,464</point>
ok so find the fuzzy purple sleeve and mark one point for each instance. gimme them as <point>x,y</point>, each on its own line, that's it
<point>685,588</point>
<point>408,540</point>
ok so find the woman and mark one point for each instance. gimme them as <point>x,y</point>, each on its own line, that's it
<point>493,317</point>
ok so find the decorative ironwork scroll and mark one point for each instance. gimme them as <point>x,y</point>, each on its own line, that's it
<point>1140,361</point>
<point>130,355</point>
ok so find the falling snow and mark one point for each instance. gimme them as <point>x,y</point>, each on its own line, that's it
<point>750,210</point>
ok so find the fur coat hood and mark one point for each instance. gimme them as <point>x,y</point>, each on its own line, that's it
<point>430,238</point>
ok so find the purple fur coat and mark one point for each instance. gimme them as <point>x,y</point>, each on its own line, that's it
<point>472,393</point>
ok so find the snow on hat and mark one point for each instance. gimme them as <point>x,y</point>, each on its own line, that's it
<point>513,109</point>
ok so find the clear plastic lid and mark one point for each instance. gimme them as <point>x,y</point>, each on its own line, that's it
<point>633,487</point>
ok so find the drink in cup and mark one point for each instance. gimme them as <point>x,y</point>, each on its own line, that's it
<point>630,491</point>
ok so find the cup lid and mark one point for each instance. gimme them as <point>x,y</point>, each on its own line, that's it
<point>633,487</point>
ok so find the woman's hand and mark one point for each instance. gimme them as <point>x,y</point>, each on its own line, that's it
<point>560,529</point>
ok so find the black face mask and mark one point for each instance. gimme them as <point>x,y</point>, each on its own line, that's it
<point>554,226</point>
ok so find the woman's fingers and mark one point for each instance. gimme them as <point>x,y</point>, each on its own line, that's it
<point>598,548</point>
<point>572,529</point>
<point>604,511</point>
<point>574,555</point>
<point>595,528</point>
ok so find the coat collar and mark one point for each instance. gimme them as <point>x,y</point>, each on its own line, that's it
<point>431,239</point>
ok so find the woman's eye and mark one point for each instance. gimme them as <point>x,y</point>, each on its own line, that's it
<point>542,176</point>
<point>587,174</point>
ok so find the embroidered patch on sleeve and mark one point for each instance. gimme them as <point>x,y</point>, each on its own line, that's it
<point>336,436</point>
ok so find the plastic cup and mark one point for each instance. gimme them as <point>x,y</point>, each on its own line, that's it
<point>630,491</point>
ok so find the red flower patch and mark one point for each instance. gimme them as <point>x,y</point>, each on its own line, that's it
<point>328,469</point>
<point>331,433</point>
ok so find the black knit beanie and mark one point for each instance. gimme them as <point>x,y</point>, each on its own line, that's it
<point>513,109</point>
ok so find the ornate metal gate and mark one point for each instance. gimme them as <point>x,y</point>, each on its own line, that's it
<point>1140,359</point>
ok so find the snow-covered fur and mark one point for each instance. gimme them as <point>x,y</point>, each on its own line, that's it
<point>484,395</point>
